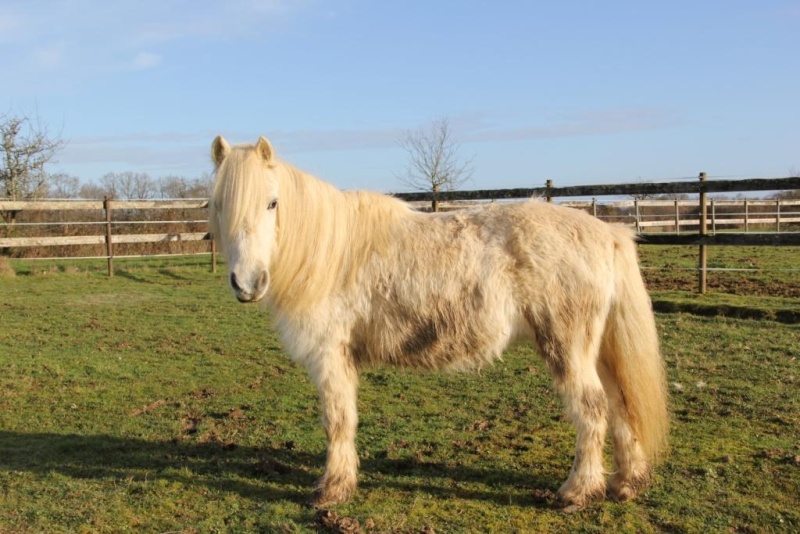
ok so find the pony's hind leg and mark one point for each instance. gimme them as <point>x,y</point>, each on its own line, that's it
<point>337,381</point>
<point>631,469</point>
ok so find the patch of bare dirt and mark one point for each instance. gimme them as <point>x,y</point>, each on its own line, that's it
<point>720,282</point>
<point>331,521</point>
<point>148,408</point>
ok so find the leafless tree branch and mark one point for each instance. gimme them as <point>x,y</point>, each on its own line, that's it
<point>26,147</point>
<point>434,163</point>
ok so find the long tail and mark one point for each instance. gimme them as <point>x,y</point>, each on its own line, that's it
<point>631,353</point>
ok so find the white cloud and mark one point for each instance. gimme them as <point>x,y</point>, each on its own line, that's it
<point>183,19</point>
<point>103,37</point>
<point>144,61</point>
<point>474,127</point>
<point>49,57</point>
<point>595,122</point>
<point>11,25</point>
<point>91,157</point>
<point>793,11</point>
<point>271,7</point>
<point>234,19</point>
<point>188,152</point>
<point>477,127</point>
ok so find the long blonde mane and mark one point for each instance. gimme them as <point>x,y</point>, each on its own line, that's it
<point>324,236</point>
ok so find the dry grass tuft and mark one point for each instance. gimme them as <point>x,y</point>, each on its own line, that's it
<point>6,270</point>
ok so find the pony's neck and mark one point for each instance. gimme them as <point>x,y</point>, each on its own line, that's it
<point>324,238</point>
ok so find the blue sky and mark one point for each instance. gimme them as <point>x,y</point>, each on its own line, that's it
<point>577,91</point>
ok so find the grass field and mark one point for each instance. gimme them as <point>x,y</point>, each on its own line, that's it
<point>153,402</point>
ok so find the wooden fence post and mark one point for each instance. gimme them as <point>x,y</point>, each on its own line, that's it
<point>549,185</point>
<point>746,217</point>
<point>677,218</point>
<point>778,215</point>
<point>713,218</point>
<point>109,247</point>
<point>213,254</point>
<point>703,230</point>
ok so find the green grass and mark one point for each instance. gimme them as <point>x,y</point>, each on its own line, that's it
<point>100,265</point>
<point>153,402</point>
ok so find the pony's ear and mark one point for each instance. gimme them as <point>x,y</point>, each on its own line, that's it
<point>264,149</point>
<point>219,149</point>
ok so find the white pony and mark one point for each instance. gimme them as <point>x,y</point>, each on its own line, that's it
<point>356,279</point>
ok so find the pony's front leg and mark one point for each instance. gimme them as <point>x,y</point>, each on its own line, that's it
<point>337,381</point>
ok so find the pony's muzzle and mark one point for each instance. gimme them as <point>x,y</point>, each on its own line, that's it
<point>253,294</point>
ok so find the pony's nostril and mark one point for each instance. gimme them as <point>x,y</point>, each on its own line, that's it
<point>234,284</point>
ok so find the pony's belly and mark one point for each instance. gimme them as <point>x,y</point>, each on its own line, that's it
<point>432,344</point>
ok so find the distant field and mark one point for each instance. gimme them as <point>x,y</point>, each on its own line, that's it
<point>153,402</point>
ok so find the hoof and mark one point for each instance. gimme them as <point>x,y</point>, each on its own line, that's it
<point>573,498</point>
<point>329,494</point>
<point>622,489</point>
<point>570,509</point>
<point>622,493</point>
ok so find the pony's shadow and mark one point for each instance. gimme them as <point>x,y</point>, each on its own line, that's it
<point>144,280</point>
<point>169,273</point>
<point>289,474</point>
<point>123,273</point>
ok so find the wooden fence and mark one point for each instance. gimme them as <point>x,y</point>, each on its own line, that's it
<point>680,222</point>
<point>107,238</point>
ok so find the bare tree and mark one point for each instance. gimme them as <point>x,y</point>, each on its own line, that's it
<point>434,163</point>
<point>25,148</point>
<point>92,191</point>
<point>128,185</point>
<point>63,185</point>
<point>203,185</point>
<point>172,186</point>
<point>181,187</point>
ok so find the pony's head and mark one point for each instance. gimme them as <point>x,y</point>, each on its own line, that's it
<point>243,213</point>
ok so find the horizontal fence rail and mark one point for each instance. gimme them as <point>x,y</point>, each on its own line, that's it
<point>657,221</point>
<point>101,240</point>
<point>755,239</point>
<point>660,188</point>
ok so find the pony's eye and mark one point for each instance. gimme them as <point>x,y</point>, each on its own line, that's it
<point>272,205</point>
